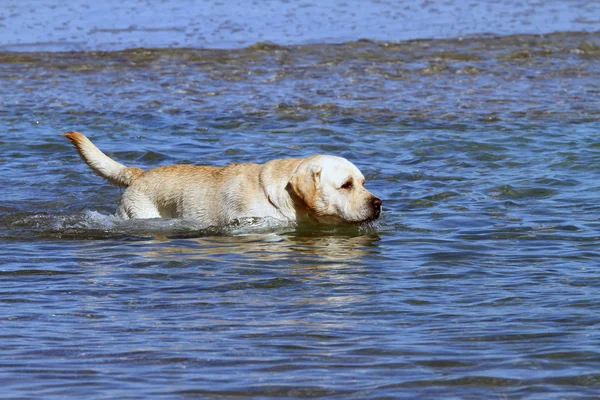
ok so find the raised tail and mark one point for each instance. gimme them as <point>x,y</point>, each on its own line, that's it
<point>106,167</point>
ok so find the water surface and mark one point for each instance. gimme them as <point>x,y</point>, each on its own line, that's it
<point>479,281</point>
<point>32,25</point>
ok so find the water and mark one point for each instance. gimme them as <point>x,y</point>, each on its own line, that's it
<point>479,281</point>
<point>31,25</point>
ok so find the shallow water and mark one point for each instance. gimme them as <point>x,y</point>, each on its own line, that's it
<point>479,281</point>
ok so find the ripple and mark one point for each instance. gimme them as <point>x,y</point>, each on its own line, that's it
<point>33,272</point>
<point>511,192</point>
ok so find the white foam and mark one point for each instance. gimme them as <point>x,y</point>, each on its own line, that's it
<point>96,225</point>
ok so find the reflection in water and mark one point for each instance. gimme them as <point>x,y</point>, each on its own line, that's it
<point>249,273</point>
<point>328,249</point>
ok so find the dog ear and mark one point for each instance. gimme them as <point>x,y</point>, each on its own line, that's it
<point>305,181</point>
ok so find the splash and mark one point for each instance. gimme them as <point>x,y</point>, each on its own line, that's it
<point>90,225</point>
<point>93,225</point>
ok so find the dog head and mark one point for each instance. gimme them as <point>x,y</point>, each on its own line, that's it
<point>331,190</point>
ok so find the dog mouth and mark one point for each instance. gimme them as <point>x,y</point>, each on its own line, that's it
<point>339,221</point>
<point>371,211</point>
<point>374,212</point>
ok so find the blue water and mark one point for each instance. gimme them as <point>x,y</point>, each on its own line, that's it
<point>479,281</point>
<point>29,25</point>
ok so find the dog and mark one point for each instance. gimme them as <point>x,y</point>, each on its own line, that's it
<point>321,189</point>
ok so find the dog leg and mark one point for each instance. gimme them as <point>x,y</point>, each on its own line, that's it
<point>137,205</point>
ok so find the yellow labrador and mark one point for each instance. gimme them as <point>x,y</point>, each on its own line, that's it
<point>320,189</point>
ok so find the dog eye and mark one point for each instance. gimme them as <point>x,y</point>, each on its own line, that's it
<point>347,185</point>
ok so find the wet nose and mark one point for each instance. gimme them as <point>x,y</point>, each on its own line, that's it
<point>376,202</point>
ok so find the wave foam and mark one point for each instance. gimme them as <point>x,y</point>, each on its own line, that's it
<point>95,225</point>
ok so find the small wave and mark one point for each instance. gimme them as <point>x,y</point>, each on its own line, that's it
<point>95,225</point>
<point>90,225</point>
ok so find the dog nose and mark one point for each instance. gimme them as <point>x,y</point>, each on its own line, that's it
<point>376,202</point>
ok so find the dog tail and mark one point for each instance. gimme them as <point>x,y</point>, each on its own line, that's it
<point>106,167</point>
